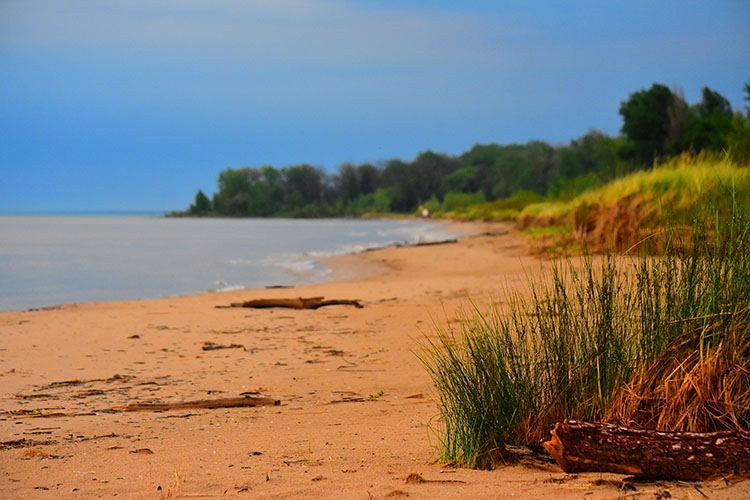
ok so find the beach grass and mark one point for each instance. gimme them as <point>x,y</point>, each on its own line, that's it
<point>458,206</point>
<point>621,213</point>
<point>658,337</point>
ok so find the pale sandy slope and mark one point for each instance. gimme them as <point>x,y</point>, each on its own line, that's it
<point>309,446</point>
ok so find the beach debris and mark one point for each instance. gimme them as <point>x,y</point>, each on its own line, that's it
<point>92,438</point>
<point>294,303</point>
<point>493,234</point>
<point>429,243</point>
<point>213,346</point>
<point>598,447</point>
<point>202,404</point>
<point>353,397</point>
<point>69,383</point>
<point>24,443</point>
<point>31,443</point>
<point>416,478</point>
<point>37,413</point>
<point>409,245</point>
<point>347,397</point>
<point>396,493</point>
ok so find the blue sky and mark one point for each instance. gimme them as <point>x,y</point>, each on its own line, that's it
<point>134,105</point>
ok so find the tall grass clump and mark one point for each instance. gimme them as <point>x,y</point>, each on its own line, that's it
<point>503,377</point>
<point>647,339</point>
<point>696,326</point>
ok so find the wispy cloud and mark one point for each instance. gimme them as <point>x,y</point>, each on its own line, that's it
<point>268,32</point>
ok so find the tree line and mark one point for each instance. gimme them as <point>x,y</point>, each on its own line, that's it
<point>657,123</point>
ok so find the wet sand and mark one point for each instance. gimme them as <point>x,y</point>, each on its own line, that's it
<point>355,403</point>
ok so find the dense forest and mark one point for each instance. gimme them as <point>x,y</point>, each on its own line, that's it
<point>657,123</point>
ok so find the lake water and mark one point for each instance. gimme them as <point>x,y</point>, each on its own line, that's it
<point>64,259</point>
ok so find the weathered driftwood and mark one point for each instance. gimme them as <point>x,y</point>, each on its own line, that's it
<point>429,243</point>
<point>201,404</point>
<point>295,303</point>
<point>213,346</point>
<point>597,447</point>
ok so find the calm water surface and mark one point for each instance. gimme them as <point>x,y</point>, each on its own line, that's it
<point>64,259</point>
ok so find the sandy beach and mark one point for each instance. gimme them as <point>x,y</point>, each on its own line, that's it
<point>355,405</point>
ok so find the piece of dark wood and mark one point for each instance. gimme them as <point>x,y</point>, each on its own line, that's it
<point>213,346</point>
<point>201,403</point>
<point>597,447</point>
<point>430,243</point>
<point>295,303</point>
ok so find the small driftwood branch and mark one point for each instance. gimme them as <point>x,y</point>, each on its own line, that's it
<point>429,243</point>
<point>295,303</point>
<point>597,447</point>
<point>201,404</point>
<point>213,346</point>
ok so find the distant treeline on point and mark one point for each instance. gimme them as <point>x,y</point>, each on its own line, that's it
<point>657,123</point>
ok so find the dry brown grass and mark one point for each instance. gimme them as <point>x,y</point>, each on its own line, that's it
<point>693,386</point>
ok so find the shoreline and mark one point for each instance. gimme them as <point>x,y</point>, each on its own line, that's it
<point>60,281</point>
<point>356,407</point>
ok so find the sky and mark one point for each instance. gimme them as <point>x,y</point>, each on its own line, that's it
<point>137,104</point>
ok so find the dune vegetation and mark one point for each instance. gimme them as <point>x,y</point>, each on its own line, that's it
<point>657,337</point>
<point>620,214</point>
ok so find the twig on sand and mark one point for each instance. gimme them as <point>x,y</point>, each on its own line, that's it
<point>294,303</point>
<point>415,478</point>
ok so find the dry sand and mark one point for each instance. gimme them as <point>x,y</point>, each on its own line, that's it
<point>323,441</point>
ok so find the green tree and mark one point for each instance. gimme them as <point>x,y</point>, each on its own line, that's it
<point>712,102</point>
<point>202,204</point>
<point>523,167</point>
<point>234,186</point>
<point>595,152</point>
<point>709,122</point>
<point>646,122</point>
<point>459,181</point>
<point>738,140</point>
<point>347,183</point>
<point>369,178</point>
<point>397,179</point>
<point>738,137</point>
<point>482,158</point>
<point>426,173</point>
<point>274,181</point>
<point>383,200</point>
<point>304,185</point>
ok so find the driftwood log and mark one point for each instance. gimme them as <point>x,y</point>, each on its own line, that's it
<point>597,447</point>
<point>201,404</point>
<point>295,303</point>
